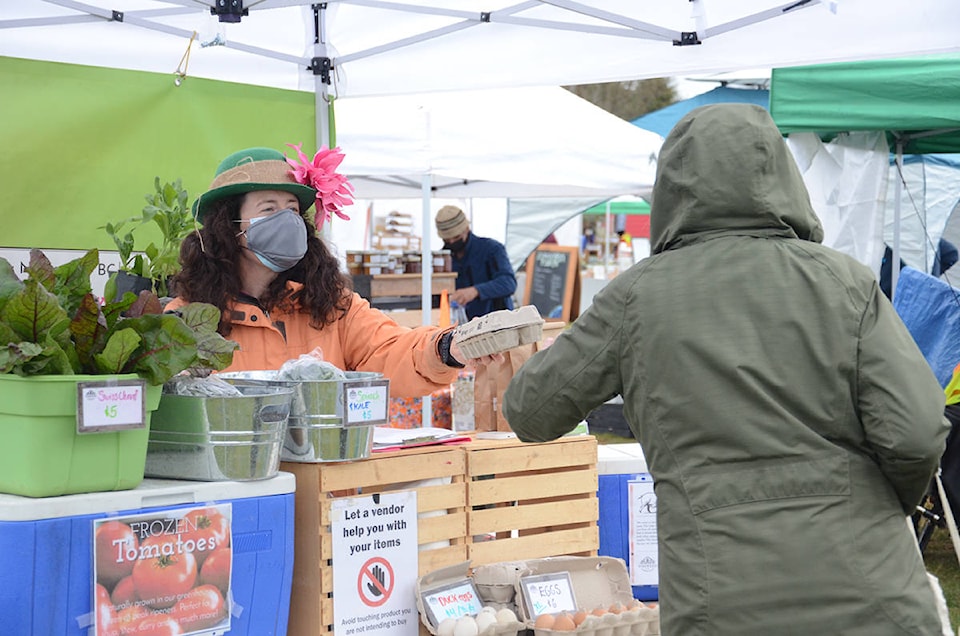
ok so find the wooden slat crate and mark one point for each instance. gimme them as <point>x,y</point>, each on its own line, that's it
<point>318,485</point>
<point>527,501</point>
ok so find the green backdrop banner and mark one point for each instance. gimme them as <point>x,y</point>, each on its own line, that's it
<point>82,145</point>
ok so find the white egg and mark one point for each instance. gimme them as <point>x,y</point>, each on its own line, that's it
<point>466,626</point>
<point>445,628</point>
<point>485,620</point>
<point>488,608</point>
<point>506,615</point>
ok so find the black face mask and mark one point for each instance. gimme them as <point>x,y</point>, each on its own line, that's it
<point>456,246</point>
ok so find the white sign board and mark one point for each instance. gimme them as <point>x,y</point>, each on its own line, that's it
<point>375,564</point>
<point>19,258</point>
<point>111,405</point>
<point>644,556</point>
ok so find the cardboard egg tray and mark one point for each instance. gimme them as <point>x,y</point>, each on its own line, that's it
<point>499,331</point>
<point>458,572</point>
<point>596,581</point>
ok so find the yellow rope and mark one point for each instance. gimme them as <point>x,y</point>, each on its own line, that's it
<point>181,71</point>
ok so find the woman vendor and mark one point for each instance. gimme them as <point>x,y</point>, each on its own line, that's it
<point>279,288</point>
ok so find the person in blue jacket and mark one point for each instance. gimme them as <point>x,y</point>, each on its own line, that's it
<point>485,279</point>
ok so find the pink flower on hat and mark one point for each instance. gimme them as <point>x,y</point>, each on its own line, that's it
<point>333,189</point>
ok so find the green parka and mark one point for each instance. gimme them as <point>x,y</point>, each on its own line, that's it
<point>787,417</point>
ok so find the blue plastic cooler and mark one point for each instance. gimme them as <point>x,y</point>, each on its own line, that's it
<point>46,551</point>
<point>617,465</point>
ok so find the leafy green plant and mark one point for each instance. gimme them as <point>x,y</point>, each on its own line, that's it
<point>167,208</point>
<point>51,323</point>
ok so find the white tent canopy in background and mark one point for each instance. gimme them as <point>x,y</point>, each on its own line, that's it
<point>514,142</point>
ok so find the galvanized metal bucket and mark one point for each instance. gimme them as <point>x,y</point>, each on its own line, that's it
<point>236,438</point>
<point>316,431</point>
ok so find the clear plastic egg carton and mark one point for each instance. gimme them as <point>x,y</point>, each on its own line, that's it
<point>499,331</point>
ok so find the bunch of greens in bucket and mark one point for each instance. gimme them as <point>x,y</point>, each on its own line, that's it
<point>51,323</point>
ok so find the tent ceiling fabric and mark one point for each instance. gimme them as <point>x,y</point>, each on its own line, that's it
<point>378,47</point>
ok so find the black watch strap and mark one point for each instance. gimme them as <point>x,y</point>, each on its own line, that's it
<point>443,348</point>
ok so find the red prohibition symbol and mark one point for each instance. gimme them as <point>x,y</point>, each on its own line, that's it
<point>375,582</point>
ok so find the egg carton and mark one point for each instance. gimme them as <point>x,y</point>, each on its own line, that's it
<point>639,621</point>
<point>598,582</point>
<point>499,331</point>
<point>459,572</point>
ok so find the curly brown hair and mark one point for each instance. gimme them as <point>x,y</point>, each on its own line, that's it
<point>210,265</point>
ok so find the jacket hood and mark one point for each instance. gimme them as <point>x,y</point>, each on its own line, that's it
<point>725,169</point>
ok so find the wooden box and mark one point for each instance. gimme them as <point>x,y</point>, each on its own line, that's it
<point>505,501</point>
<point>527,501</point>
<point>311,602</point>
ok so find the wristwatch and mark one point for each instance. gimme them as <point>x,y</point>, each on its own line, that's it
<point>443,349</point>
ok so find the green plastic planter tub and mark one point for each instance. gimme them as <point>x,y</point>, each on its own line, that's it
<point>41,453</point>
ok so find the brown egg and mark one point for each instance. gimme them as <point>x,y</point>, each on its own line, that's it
<point>579,617</point>
<point>616,608</point>
<point>564,623</point>
<point>600,611</point>
<point>652,604</point>
<point>544,621</point>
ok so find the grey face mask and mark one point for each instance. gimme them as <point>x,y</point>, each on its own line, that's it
<point>278,240</point>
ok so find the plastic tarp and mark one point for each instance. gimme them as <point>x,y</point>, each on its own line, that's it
<point>930,309</point>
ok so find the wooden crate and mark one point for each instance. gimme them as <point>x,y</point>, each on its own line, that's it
<point>527,501</point>
<point>318,485</point>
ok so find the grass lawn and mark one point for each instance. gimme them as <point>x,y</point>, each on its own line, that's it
<point>939,557</point>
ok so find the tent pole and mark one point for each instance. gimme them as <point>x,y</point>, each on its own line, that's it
<point>606,242</point>
<point>895,257</point>
<point>320,79</point>
<point>426,269</point>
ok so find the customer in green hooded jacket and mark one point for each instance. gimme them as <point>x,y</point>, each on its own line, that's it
<point>788,419</point>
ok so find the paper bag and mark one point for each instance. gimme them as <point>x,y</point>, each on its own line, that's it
<point>492,380</point>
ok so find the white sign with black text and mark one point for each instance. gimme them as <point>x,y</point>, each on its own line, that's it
<point>644,556</point>
<point>375,564</point>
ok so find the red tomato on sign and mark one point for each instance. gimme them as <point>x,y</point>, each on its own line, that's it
<point>165,574</point>
<point>124,593</point>
<point>112,539</point>
<point>107,623</point>
<point>202,608</point>
<point>216,569</point>
<point>158,625</point>
<point>208,529</point>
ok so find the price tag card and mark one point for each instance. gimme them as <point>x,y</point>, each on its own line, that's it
<point>365,402</point>
<point>111,405</point>
<point>548,593</point>
<point>454,600</point>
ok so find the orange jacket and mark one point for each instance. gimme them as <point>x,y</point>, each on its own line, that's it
<point>365,339</point>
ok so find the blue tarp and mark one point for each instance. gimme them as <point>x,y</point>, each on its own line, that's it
<point>930,308</point>
<point>662,121</point>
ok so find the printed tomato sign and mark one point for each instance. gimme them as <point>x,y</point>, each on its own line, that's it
<point>163,573</point>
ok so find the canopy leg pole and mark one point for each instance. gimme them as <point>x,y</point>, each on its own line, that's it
<point>895,257</point>
<point>426,297</point>
<point>606,242</point>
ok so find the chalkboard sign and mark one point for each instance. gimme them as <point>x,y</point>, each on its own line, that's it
<point>553,282</point>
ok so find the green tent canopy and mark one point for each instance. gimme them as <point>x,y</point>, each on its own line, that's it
<point>619,206</point>
<point>915,100</point>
